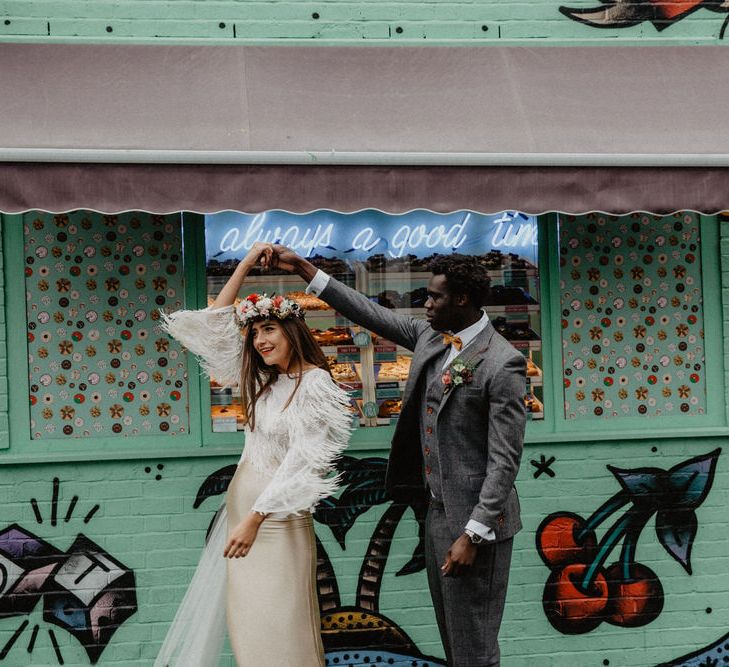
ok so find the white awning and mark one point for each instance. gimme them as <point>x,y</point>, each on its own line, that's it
<point>550,128</point>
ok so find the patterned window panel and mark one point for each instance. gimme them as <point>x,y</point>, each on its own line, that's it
<point>98,363</point>
<point>632,316</point>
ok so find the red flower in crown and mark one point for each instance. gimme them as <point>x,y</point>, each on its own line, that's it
<point>253,298</point>
<point>277,301</point>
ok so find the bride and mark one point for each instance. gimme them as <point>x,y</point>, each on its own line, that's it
<point>259,563</point>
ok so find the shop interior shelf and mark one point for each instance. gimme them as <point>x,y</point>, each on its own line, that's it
<point>377,283</point>
<point>527,344</point>
<point>529,272</point>
<point>513,308</point>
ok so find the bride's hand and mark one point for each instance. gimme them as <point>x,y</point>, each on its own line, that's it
<point>243,536</point>
<point>261,254</point>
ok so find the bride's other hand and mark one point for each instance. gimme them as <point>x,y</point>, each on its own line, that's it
<point>243,536</point>
<point>261,254</point>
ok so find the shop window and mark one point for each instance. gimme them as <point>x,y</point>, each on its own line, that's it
<point>632,316</point>
<point>385,257</point>
<point>98,364</point>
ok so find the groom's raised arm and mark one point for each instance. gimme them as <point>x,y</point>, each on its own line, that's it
<point>401,329</point>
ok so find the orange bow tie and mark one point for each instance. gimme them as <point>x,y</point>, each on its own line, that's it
<point>452,340</point>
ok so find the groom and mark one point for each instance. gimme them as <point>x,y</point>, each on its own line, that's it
<point>460,436</point>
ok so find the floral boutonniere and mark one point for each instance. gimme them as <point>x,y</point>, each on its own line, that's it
<point>458,373</point>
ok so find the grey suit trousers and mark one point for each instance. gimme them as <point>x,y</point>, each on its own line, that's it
<point>468,608</point>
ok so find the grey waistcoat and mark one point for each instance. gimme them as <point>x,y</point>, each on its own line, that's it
<point>432,394</point>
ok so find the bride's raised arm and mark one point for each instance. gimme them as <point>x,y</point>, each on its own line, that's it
<point>212,334</point>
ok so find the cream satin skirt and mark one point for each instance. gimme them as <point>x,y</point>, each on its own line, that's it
<point>272,606</point>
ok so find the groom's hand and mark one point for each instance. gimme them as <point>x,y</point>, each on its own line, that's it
<point>459,558</point>
<point>284,258</point>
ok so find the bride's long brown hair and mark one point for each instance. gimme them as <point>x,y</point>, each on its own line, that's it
<point>257,376</point>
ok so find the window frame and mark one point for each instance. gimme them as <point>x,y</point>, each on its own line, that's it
<point>22,448</point>
<point>202,441</point>
<point>714,422</point>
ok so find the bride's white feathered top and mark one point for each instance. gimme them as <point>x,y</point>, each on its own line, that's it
<point>296,446</point>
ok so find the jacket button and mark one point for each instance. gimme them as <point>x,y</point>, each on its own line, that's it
<point>427,470</point>
<point>427,451</point>
<point>429,430</point>
<point>429,410</point>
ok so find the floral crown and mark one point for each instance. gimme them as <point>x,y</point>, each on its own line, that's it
<point>262,307</point>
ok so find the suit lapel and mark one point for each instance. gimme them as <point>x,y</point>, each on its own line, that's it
<point>473,354</point>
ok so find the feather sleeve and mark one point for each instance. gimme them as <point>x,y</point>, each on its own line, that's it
<point>319,425</point>
<point>213,336</point>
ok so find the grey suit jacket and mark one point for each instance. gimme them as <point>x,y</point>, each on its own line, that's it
<point>479,426</point>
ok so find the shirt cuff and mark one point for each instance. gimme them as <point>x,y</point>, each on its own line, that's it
<point>482,531</point>
<point>318,283</point>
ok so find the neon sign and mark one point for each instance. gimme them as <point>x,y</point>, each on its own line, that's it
<point>512,234</point>
<point>355,236</point>
<point>291,236</point>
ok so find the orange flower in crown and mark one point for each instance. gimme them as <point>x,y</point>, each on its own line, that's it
<point>262,307</point>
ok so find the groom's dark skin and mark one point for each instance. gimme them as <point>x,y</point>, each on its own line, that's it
<point>445,311</point>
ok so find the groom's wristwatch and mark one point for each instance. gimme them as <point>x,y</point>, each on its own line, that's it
<point>474,537</point>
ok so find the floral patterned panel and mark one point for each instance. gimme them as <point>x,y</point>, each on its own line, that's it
<point>632,317</point>
<point>99,365</point>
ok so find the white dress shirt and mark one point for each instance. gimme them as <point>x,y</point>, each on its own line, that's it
<point>316,287</point>
<point>466,335</point>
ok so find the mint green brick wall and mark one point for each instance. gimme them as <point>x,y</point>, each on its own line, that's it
<point>408,21</point>
<point>150,526</point>
<point>581,485</point>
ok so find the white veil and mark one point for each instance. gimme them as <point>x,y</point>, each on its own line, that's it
<point>195,638</point>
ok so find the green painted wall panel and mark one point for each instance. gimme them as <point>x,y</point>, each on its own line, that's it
<point>444,22</point>
<point>149,526</point>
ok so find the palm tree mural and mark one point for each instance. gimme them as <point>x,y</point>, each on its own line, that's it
<point>359,633</point>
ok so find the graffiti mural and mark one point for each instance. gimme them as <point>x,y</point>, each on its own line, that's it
<point>357,632</point>
<point>660,13</point>
<point>85,591</point>
<point>582,591</point>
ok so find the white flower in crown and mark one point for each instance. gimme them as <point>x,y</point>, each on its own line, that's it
<point>263,307</point>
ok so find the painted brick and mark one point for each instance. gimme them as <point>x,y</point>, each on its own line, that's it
<point>12,27</point>
<point>311,30</point>
<point>127,28</point>
<point>193,20</point>
<point>440,30</point>
<point>158,534</point>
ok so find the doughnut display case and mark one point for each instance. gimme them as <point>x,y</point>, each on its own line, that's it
<point>387,258</point>
<point>372,369</point>
<point>513,309</point>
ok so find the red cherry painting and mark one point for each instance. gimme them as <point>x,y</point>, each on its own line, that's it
<point>580,593</point>
<point>636,600</point>
<point>558,542</point>
<point>569,608</point>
